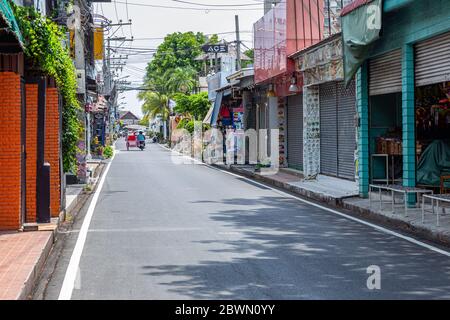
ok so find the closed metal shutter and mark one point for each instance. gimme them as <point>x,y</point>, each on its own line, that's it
<point>385,73</point>
<point>432,63</point>
<point>328,129</point>
<point>346,130</point>
<point>337,130</point>
<point>295,132</point>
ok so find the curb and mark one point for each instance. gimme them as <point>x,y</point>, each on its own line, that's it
<point>412,229</point>
<point>34,276</point>
<point>30,282</point>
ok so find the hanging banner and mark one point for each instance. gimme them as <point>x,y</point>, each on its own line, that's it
<point>361,26</point>
<point>98,44</point>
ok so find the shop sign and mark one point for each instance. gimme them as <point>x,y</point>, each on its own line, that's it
<point>327,53</point>
<point>331,71</point>
<point>323,64</point>
<point>219,48</point>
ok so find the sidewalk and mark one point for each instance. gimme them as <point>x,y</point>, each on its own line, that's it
<point>325,189</point>
<point>22,257</point>
<point>23,254</point>
<point>344,194</point>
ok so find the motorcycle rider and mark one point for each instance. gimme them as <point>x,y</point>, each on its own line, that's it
<point>141,138</point>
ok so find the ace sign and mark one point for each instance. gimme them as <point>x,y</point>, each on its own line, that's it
<point>215,48</point>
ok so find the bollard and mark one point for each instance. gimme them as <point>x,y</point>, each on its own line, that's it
<point>43,203</point>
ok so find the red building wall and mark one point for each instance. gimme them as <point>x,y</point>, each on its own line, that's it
<point>289,27</point>
<point>52,145</point>
<point>10,151</point>
<point>31,147</point>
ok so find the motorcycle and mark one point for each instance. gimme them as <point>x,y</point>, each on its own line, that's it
<point>141,145</point>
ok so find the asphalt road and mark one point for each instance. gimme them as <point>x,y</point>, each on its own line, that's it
<point>162,230</point>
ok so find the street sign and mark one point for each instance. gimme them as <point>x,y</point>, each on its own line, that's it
<point>215,48</point>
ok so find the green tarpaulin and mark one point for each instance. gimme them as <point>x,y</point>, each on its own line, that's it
<point>7,15</point>
<point>434,162</point>
<point>360,29</point>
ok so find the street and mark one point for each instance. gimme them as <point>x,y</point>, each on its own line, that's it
<point>187,231</point>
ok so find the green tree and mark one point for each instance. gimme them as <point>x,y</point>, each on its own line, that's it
<point>251,54</point>
<point>181,79</point>
<point>194,106</point>
<point>178,50</point>
<point>155,103</point>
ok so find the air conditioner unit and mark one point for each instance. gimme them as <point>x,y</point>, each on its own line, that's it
<point>81,81</point>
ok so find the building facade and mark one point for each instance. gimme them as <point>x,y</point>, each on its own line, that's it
<point>402,95</point>
<point>31,151</point>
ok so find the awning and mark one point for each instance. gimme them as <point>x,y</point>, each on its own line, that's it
<point>207,119</point>
<point>216,110</point>
<point>9,23</point>
<point>361,26</point>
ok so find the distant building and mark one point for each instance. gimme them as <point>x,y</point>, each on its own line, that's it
<point>128,118</point>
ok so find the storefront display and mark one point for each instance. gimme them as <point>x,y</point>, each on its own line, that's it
<point>433,133</point>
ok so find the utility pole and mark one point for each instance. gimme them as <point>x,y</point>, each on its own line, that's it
<point>238,43</point>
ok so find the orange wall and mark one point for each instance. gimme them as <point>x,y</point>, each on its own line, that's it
<point>31,146</point>
<point>52,149</point>
<point>10,153</point>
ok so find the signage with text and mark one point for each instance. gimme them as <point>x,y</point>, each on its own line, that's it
<point>215,48</point>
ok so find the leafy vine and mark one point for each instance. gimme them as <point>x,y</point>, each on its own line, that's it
<point>43,41</point>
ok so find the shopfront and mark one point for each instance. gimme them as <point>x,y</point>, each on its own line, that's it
<point>328,108</point>
<point>385,117</point>
<point>295,132</point>
<point>432,111</point>
<point>337,130</point>
<point>403,96</point>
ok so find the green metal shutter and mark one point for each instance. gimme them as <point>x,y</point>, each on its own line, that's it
<point>432,63</point>
<point>328,129</point>
<point>295,132</point>
<point>346,130</point>
<point>385,73</point>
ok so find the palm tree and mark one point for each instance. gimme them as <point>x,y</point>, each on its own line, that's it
<point>155,103</point>
<point>164,88</point>
<point>181,80</point>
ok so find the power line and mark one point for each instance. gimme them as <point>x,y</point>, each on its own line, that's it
<point>186,8</point>
<point>218,5</point>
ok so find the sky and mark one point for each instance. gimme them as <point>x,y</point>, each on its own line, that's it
<point>155,23</point>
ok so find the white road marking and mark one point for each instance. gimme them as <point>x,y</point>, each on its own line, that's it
<point>73,268</point>
<point>343,215</point>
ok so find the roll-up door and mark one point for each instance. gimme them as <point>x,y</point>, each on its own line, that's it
<point>346,130</point>
<point>328,129</point>
<point>337,130</point>
<point>295,132</point>
<point>432,63</point>
<point>385,73</point>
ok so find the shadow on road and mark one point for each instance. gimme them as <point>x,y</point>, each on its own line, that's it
<point>301,252</point>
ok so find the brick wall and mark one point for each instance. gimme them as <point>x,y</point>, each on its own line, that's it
<point>10,153</point>
<point>31,146</point>
<point>52,149</point>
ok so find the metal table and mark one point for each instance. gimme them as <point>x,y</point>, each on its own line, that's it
<point>434,197</point>
<point>406,191</point>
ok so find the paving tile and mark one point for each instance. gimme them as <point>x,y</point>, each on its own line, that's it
<point>19,255</point>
